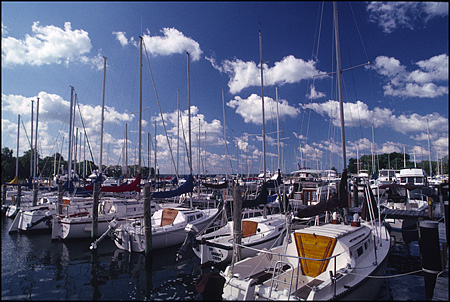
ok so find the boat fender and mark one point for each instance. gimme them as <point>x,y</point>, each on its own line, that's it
<point>356,222</point>
<point>335,218</point>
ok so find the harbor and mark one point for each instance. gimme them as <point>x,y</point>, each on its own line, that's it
<point>223,166</point>
<point>35,268</point>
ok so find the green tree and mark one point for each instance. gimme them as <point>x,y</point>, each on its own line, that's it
<point>8,165</point>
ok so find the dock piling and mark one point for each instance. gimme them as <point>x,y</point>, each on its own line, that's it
<point>430,254</point>
<point>237,222</point>
<point>95,211</point>
<point>35,193</point>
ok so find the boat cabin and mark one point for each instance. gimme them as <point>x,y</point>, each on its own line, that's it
<point>413,176</point>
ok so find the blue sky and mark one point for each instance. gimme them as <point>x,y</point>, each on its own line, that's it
<point>49,46</point>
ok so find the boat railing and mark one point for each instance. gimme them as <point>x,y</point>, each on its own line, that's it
<point>270,255</point>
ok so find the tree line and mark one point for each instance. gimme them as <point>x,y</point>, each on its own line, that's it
<point>396,161</point>
<point>46,167</point>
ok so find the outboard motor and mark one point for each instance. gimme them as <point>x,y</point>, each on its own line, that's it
<point>189,241</point>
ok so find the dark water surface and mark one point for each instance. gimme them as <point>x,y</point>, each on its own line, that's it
<point>35,268</point>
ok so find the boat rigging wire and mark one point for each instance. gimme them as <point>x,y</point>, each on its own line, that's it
<point>162,117</point>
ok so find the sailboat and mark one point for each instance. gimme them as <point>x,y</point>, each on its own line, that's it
<point>168,224</point>
<point>260,232</point>
<point>321,262</point>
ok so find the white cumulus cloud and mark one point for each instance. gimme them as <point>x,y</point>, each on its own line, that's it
<point>251,108</point>
<point>47,45</point>
<point>392,15</point>
<point>246,74</point>
<point>380,117</point>
<point>173,41</point>
<point>422,82</point>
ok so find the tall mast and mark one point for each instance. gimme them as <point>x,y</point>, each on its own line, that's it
<point>17,151</point>
<point>178,129</point>
<point>262,102</point>
<point>32,153</point>
<point>429,149</point>
<point>339,74</point>
<point>100,169</point>
<point>69,163</point>
<point>278,129</point>
<point>36,140</point>
<point>126,150</point>
<point>76,152</point>
<point>148,151</point>
<point>225,136</point>
<point>199,170</point>
<point>84,156</point>
<point>404,157</point>
<point>140,108</point>
<point>189,115</point>
<point>155,153</point>
<point>373,154</point>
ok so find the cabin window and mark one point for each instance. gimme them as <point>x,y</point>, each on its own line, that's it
<point>360,251</point>
<point>410,180</point>
<point>403,180</point>
<point>190,218</point>
<point>419,179</point>
<point>365,245</point>
<point>199,216</point>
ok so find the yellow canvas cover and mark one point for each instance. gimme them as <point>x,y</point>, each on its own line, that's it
<point>14,181</point>
<point>314,246</point>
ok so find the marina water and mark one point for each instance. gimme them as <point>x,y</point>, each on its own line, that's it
<point>35,268</point>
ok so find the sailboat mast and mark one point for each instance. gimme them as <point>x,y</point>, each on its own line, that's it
<point>189,115</point>
<point>373,154</point>
<point>36,140</point>
<point>404,157</point>
<point>140,107</point>
<point>126,150</point>
<point>278,129</point>
<point>225,136</point>
<point>429,149</point>
<point>178,129</point>
<point>69,162</point>
<point>17,151</point>
<point>262,102</point>
<point>32,154</point>
<point>339,74</point>
<point>100,169</point>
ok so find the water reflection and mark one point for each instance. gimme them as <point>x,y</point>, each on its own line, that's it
<point>34,267</point>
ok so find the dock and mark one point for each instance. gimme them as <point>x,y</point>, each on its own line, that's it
<point>441,289</point>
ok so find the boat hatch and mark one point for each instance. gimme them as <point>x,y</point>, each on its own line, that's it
<point>168,216</point>
<point>248,228</point>
<point>314,246</point>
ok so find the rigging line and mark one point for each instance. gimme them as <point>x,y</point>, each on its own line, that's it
<point>185,144</point>
<point>360,37</point>
<point>85,134</point>
<point>354,90</point>
<point>26,133</point>
<point>349,107</point>
<point>162,117</point>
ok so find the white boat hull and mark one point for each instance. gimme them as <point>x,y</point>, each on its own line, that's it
<point>217,246</point>
<point>131,236</point>
<point>251,279</point>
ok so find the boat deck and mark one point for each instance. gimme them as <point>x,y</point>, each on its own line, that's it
<point>401,214</point>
